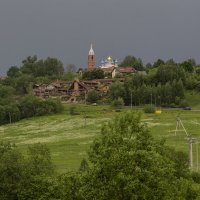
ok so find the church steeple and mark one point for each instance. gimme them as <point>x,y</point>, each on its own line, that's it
<point>91,52</point>
<point>91,59</point>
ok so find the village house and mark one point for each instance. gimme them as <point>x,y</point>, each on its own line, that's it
<point>123,71</point>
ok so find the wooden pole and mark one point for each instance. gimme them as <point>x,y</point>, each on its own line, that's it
<point>10,118</point>
<point>190,152</point>
<point>131,99</point>
<point>197,154</point>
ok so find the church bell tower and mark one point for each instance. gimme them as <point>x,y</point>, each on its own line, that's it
<point>91,59</point>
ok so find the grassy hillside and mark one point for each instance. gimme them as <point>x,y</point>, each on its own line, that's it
<point>69,137</point>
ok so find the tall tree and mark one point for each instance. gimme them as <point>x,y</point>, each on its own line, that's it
<point>13,72</point>
<point>127,163</point>
<point>131,61</point>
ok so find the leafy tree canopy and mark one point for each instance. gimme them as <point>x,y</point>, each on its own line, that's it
<point>131,61</point>
<point>127,163</point>
<point>93,74</point>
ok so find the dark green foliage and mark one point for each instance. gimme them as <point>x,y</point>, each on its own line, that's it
<point>23,84</point>
<point>131,61</point>
<point>93,74</point>
<point>11,172</point>
<point>144,93</point>
<point>12,113</point>
<point>53,66</point>
<point>32,106</point>
<point>29,106</point>
<point>13,72</point>
<point>196,177</point>
<point>84,165</point>
<point>6,91</point>
<point>39,160</point>
<point>26,178</point>
<point>69,186</point>
<point>127,163</point>
<point>116,90</point>
<point>189,65</point>
<point>168,73</point>
<point>118,103</point>
<point>149,108</point>
<point>39,187</point>
<point>50,67</point>
<point>93,96</point>
<point>158,63</point>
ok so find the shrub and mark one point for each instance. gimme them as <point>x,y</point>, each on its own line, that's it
<point>118,103</point>
<point>149,109</point>
<point>93,96</point>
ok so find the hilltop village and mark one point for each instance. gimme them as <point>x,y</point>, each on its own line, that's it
<point>76,90</point>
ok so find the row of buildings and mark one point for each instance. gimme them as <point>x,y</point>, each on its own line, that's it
<point>71,91</point>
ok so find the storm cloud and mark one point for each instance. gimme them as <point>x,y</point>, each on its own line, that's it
<point>64,29</point>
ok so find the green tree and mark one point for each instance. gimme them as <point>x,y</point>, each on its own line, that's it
<point>131,61</point>
<point>118,103</point>
<point>69,186</point>
<point>117,90</point>
<point>167,73</point>
<point>127,163</point>
<point>13,72</point>
<point>53,67</point>
<point>39,160</point>
<point>23,84</point>
<point>11,171</point>
<point>189,65</point>
<point>158,63</point>
<point>6,91</point>
<point>93,96</point>
<point>12,113</point>
<point>93,74</point>
<point>29,65</point>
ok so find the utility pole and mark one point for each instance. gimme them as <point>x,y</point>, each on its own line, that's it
<point>190,141</point>
<point>10,118</point>
<point>197,155</point>
<point>131,99</point>
<point>190,152</point>
<point>178,123</point>
<point>85,97</point>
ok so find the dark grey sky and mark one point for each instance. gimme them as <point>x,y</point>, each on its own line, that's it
<point>149,29</point>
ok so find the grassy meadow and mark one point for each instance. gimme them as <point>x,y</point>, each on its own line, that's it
<point>70,136</point>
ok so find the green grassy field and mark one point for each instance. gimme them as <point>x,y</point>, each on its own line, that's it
<point>69,137</point>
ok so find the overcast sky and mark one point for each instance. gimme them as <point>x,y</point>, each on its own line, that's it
<point>64,29</point>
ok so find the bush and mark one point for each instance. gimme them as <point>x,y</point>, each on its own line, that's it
<point>93,96</point>
<point>149,109</point>
<point>118,103</point>
<point>196,177</point>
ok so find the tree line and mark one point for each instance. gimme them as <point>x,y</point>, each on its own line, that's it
<point>26,107</point>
